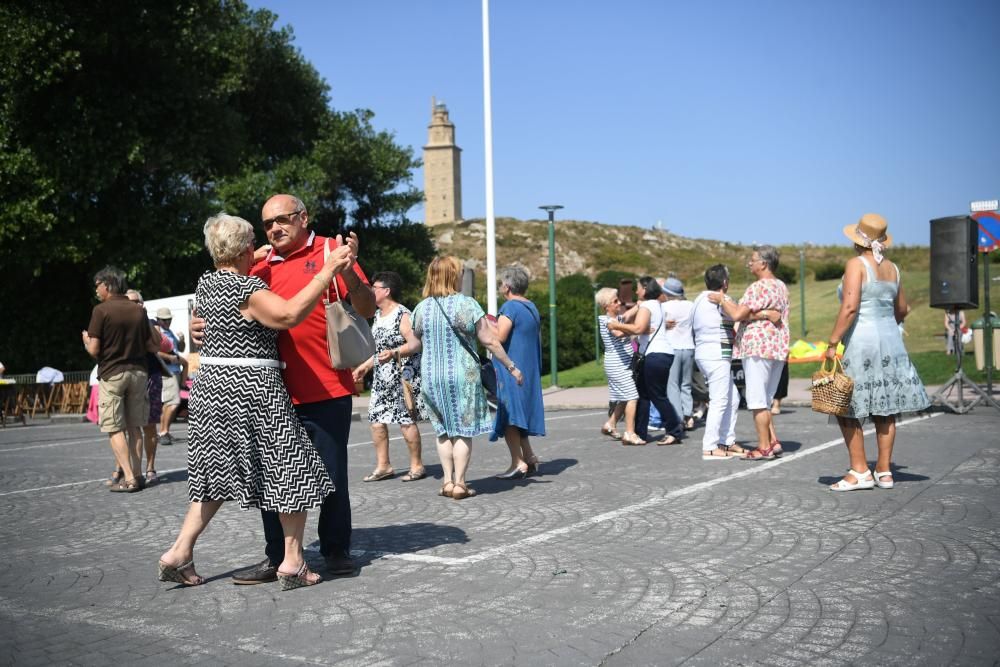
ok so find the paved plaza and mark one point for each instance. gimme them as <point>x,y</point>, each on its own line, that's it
<point>612,556</point>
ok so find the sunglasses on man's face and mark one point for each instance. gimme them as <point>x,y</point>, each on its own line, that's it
<point>285,219</point>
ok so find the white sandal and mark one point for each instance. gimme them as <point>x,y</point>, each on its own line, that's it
<point>884,485</point>
<point>862,483</point>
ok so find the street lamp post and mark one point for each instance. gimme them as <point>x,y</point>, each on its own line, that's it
<point>553,353</point>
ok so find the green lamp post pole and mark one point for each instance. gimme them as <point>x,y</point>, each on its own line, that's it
<point>553,352</point>
<point>802,288</point>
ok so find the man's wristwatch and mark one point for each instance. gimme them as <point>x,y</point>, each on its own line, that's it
<point>512,367</point>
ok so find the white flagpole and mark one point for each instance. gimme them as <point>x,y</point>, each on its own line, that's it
<point>491,256</point>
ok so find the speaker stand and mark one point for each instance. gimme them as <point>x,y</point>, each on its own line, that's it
<point>960,381</point>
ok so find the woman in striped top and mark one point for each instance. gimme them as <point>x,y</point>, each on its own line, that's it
<point>617,357</point>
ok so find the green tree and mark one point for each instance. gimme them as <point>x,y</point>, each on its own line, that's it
<point>125,123</point>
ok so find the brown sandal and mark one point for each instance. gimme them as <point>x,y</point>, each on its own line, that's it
<point>462,491</point>
<point>445,491</point>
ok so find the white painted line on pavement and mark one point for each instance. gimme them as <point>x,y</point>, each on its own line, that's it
<point>754,469</point>
<point>94,441</point>
<point>89,481</point>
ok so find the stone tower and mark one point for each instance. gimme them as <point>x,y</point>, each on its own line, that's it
<point>442,169</point>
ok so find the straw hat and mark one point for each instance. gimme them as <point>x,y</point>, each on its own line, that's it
<point>871,227</point>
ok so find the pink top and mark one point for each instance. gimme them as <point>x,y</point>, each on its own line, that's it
<point>761,338</point>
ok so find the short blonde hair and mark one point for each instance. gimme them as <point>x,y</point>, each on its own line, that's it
<point>605,295</point>
<point>442,276</point>
<point>227,237</point>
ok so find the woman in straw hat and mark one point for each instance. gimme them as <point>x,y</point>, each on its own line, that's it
<point>872,306</point>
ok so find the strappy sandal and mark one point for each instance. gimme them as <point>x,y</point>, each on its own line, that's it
<point>445,491</point>
<point>134,485</point>
<point>759,454</point>
<point>668,441</point>
<point>462,491</point>
<point>176,574</point>
<point>610,432</point>
<point>302,577</point>
<point>413,476</point>
<point>632,440</point>
<point>776,448</point>
<point>734,450</point>
<point>864,481</point>
<point>878,479</point>
<point>151,476</point>
<point>711,455</point>
<point>116,477</point>
<point>378,476</point>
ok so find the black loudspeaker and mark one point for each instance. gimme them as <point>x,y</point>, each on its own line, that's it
<point>954,263</point>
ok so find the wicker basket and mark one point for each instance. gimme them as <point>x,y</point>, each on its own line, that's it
<point>831,389</point>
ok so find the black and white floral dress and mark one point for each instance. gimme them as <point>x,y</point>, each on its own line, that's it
<point>386,403</point>
<point>245,442</point>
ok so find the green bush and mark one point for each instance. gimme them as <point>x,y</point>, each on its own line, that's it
<point>787,274</point>
<point>829,271</point>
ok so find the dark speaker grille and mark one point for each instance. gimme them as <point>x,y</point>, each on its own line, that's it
<point>954,263</point>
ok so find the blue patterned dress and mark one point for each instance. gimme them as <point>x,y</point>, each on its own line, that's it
<point>520,405</point>
<point>449,377</point>
<point>885,382</point>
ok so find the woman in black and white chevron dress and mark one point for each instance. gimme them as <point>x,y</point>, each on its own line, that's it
<point>245,442</point>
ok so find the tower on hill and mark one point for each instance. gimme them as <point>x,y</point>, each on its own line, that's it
<point>442,169</point>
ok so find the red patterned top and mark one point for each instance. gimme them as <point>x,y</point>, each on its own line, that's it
<point>761,338</point>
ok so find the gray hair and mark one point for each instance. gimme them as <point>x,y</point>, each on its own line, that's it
<point>605,295</point>
<point>227,237</point>
<point>515,278</point>
<point>134,292</point>
<point>769,255</point>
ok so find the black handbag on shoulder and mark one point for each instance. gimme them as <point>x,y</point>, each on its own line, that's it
<point>487,373</point>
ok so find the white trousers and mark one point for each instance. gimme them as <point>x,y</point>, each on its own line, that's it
<point>762,378</point>
<point>723,402</point>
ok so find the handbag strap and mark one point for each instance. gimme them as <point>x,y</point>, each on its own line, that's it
<point>657,329</point>
<point>336,289</point>
<point>461,338</point>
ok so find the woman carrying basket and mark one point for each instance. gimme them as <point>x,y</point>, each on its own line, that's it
<point>885,383</point>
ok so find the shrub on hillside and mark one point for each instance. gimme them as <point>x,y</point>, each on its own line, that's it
<point>787,274</point>
<point>829,271</point>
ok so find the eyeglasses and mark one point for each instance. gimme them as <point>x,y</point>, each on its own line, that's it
<point>379,287</point>
<point>752,261</point>
<point>284,219</point>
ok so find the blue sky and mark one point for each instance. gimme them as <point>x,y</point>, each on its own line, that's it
<point>756,120</point>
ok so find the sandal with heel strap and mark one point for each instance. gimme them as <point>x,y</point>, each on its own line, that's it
<point>864,481</point>
<point>461,491</point>
<point>878,479</point>
<point>302,577</point>
<point>176,574</point>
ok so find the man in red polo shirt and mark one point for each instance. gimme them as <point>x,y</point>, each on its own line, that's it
<point>321,394</point>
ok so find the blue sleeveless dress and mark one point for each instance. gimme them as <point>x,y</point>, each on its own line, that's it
<point>885,382</point>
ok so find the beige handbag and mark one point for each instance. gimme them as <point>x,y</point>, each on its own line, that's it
<point>348,336</point>
<point>831,389</point>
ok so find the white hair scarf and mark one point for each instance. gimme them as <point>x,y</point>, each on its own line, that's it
<point>876,245</point>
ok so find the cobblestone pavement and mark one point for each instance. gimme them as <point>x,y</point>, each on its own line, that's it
<point>612,556</point>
